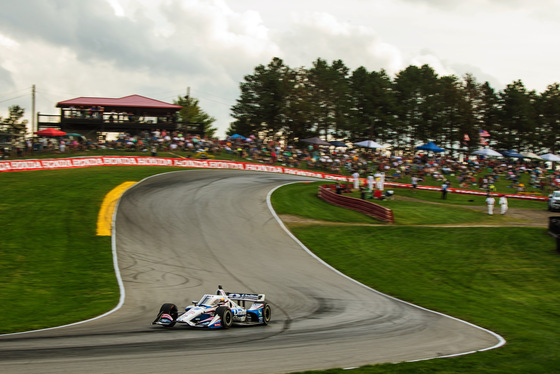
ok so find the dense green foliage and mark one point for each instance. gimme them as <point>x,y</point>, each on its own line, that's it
<point>416,105</point>
<point>191,113</point>
<point>14,124</point>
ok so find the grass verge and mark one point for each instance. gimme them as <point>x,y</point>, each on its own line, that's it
<point>51,259</point>
<point>501,278</point>
<point>504,279</point>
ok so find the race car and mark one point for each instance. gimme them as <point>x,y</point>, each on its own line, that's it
<point>219,310</point>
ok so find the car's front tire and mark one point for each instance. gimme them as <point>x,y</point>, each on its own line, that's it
<point>171,309</point>
<point>226,316</point>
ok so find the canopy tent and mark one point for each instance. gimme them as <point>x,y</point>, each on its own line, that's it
<point>530,155</point>
<point>487,152</point>
<point>337,143</point>
<point>316,141</point>
<point>50,132</point>
<point>550,157</point>
<point>369,144</point>
<point>430,146</point>
<point>512,153</point>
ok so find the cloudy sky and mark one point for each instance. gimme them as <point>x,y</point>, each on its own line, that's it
<point>158,48</point>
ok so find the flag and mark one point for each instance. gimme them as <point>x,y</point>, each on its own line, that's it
<point>484,134</point>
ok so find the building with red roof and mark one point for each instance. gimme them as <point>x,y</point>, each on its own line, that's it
<point>94,116</point>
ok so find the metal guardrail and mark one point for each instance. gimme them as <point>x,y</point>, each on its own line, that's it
<point>371,209</point>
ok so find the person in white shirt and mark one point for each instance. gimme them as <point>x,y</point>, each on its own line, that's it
<point>356,177</point>
<point>414,181</point>
<point>490,201</point>
<point>503,204</point>
<point>370,182</point>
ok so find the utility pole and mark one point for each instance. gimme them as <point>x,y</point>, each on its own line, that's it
<point>33,109</point>
<point>188,97</point>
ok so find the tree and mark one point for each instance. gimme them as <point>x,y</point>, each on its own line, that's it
<point>13,123</point>
<point>451,113</point>
<point>488,111</point>
<point>517,117</point>
<point>264,98</point>
<point>374,104</point>
<point>471,109</point>
<point>416,106</point>
<point>548,129</point>
<point>330,91</point>
<point>298,112</point>
<point>191,113</point>
<point>415,90</point>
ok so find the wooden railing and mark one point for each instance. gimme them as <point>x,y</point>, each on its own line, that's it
<point>376,211</point>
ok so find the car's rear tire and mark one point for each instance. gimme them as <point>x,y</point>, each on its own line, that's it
<point>226,316</point>
<point>267,314</point>
<point>171,309</point>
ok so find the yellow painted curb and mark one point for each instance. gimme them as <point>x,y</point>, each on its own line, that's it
<point>105,217</point>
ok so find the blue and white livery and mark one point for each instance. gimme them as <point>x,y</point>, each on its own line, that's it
<point>220,310</point>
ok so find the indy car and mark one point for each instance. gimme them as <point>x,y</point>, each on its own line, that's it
<point>220,310</point>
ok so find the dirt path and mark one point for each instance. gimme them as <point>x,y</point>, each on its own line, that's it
<point>519,218</point>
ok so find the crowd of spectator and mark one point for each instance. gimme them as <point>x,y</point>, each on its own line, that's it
<point>522,175</point>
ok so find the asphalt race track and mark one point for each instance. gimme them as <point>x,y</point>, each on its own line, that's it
<point>179,235</point>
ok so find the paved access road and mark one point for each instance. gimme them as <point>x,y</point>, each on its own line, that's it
<point>179,235</point>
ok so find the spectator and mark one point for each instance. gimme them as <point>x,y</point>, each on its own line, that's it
<point>490,201</point>
<point>503,204</point>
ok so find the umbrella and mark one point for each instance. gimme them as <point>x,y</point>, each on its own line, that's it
<point>487,152</point>
<point>73,134</point>
<point>550,157</point>
<point>512,153</point>
<point>316,141</point>
<point>430,147</point>
<point>50,132</point>
<point>235,136</point>
<point>337,143</point>
<point>530,155</point>
<point>369,144</point>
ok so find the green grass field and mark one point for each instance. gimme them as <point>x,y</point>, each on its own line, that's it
<point>505,279</point>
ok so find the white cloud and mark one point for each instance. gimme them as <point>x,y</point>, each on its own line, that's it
<point>157,48</point>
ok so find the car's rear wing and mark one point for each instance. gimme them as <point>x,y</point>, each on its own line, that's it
<point>255,297</point>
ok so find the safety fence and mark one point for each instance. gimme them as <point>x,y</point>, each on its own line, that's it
<point>366,207</point>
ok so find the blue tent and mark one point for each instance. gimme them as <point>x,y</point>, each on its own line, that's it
<point>430,147</point>
<point>337,143</point>
<point>512,153</point>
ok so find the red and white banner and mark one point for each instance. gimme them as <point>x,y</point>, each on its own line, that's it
<point>81,162</point>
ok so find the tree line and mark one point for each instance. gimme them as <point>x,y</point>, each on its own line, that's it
<point>415,106</point>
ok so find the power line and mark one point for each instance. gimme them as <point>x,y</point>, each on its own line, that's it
<point>15,92</point>
<point>13,98</point>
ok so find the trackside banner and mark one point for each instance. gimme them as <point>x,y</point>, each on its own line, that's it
<point>82,162</point>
